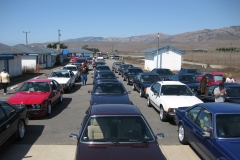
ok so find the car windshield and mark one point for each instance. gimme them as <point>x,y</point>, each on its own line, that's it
<point>193,71</point>
<point>218,77</point>
<point>109,88</point>
<point>118,63</point>
<point>102,68</point>
<point>150,78</point>
<point>188,79</point>
<point>105,75</point>
<point>173,90</point>
<point>228,125</point>
<point>71,68</point>
<point>233,91</point>
<point>164,72</point>
<point>60,74</point>
<point>134,71</point>
<point>117,129</point>
<point>35,87</point>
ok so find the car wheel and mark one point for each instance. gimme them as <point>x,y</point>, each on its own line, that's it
<point>181,134</point>
<point>61,98</point>
<point>124,79</point>
<point>162,114</point>
<point>122,75</point>
<point>21,130</point>
<point>148,102</point>
<point>133,87</point>
<point>127,81</point>
<point>141,93</point>
<point>49,108</point>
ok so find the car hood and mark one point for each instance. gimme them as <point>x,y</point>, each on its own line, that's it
<point>117,152</point>
<point>234,100</point>
<point>231,146</point>
<point>110,99</point>
<point>28,97</point>
<point>60,80</point>
<point>180,101</point>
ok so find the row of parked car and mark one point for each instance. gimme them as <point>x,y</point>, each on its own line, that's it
<point>212,129</point>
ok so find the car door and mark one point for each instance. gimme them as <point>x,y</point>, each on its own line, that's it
<point>210,97</point>
<point>138,82</point>
<point>9,122</point>
<point>72,78</point>
<point>203,124</point>
<point>156,95</point>
<point>54,92</point>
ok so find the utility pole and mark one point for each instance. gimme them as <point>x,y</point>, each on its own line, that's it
<point>26,37</point>
<point>191,40</point>
<point>59,34</point>
<point>158,52</point>
<point>231,54</point>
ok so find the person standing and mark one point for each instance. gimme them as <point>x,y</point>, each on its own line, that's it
<point>5,79</point>
<point>203,85</point>
<point>230,79</point>
<point>83,71</point>
<point>220,93</point>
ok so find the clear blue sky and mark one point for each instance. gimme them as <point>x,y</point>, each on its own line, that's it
<point>110,18</point>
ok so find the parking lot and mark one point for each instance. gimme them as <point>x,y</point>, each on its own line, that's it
<point>66,117</point>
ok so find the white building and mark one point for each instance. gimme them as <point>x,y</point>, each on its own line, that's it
<point>165,57</point>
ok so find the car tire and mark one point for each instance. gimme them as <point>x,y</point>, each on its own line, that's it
<point>127,81</point>
<point>148,102</point>
<point>133,87</point>
<point>124,78</point>
<point>49,109</point>
<point>181,134</point>
<point>21,130</point>
<point>60,98</point>
<point>162,114</point>
<point>141,93</point>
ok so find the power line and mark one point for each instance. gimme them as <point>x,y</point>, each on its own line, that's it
<point>26,37</point>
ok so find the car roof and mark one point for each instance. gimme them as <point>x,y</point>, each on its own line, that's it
<point>190,68</point>
<point>222,107</point>
<point>108,81</point>
<point>70,65</point>
<point>135,68</point>
<point>148,73</point>
<point>104,66</point>
<point>60,70</point>
<point>170,83</point>
<point>115,109</point>
<point>104,71</point>
<point>39,80</point>
<point>185,74</point>
<point>216,73</point>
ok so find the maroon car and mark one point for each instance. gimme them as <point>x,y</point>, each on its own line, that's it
<point>116,131</point>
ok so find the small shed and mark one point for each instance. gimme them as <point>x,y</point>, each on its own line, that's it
<point>163,57</point>
<point>78,52</point>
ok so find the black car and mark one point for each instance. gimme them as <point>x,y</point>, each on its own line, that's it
<point>116,65</point>
<point>131,73</point>
<point>103,75</point>
<point>232,96</point>
<point>144,80</point>
<point>13,121</point>
<point>95,64</point>
<point>189,79</point>
<point>109,92</point>
<point>163,73</point>
<point>194,71</point>
<point>122,69</point>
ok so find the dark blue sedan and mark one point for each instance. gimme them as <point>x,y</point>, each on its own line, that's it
<point>131,73</point>
<point>189,79</point>
<point>109,92</point>
<point>144,80</point>
<point>103,75</point>
<point>212,129</point>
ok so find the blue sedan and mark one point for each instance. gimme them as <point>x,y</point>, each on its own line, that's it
<point>212,129</point>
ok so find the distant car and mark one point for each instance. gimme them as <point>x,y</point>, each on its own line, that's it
<point>189,79</point>
<point>213,77</point>
<point>232,96</point>
<point>100,57</point>
<point>167,96</point>
<point>116,131</point>
<point>103,75</point>
<point>89,60</point>
<point>74,69</point>
<point>122,69</point>
<point>79,62</point>
<point>105,56</point>
<point>194,71</point>
<point>131,73</point>
<point>115,57</point>
<point>116,65</point>
<point>39,96</point>
<point>144,80</point>
<point>13,122</point>
<point>98,63</point>
<point>64,77</point>
<point>163,73</point>
<point>109,92</point>
<point>212,129</point>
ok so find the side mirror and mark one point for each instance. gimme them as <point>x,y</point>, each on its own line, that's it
<point>73,135</point>
<point>159,135</point>
<point>156,94</point>
<point>206,134</point>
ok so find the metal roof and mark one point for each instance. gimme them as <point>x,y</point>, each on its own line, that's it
<point>30,49</point>
<point>5,49</point>
<point>154,50</point>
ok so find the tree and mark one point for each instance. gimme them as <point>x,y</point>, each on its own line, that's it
<point>85,47</point>
<point>54,46</point>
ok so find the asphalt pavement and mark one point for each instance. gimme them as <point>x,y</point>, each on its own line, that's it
<point>48,137</point>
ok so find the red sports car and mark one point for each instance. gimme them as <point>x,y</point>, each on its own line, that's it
<point>39,95</point>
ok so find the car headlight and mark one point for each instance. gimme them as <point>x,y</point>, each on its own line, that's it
<point>144,89</point>
<point>36,106</point>
<point>171,109</point>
